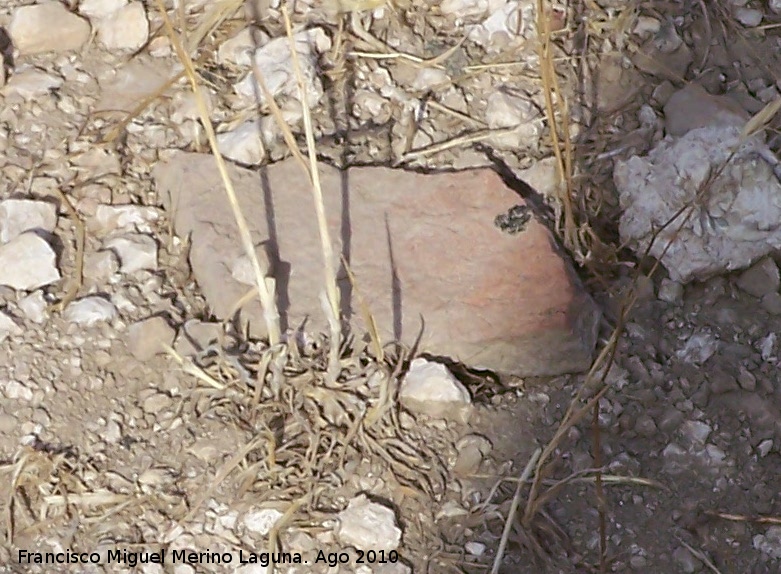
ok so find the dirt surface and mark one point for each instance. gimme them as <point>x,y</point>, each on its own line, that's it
<point>103,448</point>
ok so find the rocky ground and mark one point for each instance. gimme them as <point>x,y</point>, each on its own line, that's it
<point>226,448</point>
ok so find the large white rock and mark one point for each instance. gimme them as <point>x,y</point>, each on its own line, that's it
<point>34,307</point>
<point>95,9</point>
<point>430,388</point>
<point>125,29</point>
<point>731,222</point>
<point>20,215</point>
<point>135,252</point>
<point>27,262</point>
<point>47,27</point>
<point>367,525</point>
<point>274,62</point>
<point>243,144</point>
<point>110,218</point>
<point>31,83</point>
<point>90,310</point>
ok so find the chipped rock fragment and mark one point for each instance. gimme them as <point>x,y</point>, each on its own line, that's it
<point>34,307</point>
<point>471,451</point>
<point>749,17</point>
<point>274,63</point>
<point>127,28</point>
<point>432,383</point>
<point>506,111</point>
<point>20,215</point>
<point>761,278</point>
<point>47,27</point>
<point>90,310</point>
<point>8,327</point>
<point>97,161</point>
<point>99,267</point>
<point>244,144</point>
<point>125,86</point>
<point>769,543</point>
<point>238,49</point>
<point>15,390</point>
<point>110,218</point>
<point>475,548</point>
<point>27,262</point>
<point>31,83</point>
<point>671,292</point>
<point>96,9</point>
<point>367,525</point>
<point>262,521</point>
<point>739,222</point>
<point>484,300</point>
<point>135,251</point>
<point>156,402</point>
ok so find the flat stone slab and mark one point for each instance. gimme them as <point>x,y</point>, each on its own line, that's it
<point>491,293</point>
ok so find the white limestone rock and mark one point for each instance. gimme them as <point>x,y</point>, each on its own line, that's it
<point>34,307</point>
<point>261,521</point>
<point>90,310</point>
<point>430,388</point>
<point>125,29</point>
<point>31,83</point>
<point>737,222</point>
<point>97,9</point>
<point>243,144</point>
<point>238,49</point>
<point>275,64</point>
<point>27,262</point>
<point>135,252</point>
<point>367,525</point>
<point>110,218</point>
<point>8,327</point>
<point>47,27</point>
<point>20,215</point>
<point>507,111</point>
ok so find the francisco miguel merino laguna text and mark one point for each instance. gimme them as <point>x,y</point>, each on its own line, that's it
<point>159,557</point>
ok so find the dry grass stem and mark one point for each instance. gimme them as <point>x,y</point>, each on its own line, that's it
<point>760,121</point>
<point>222,474</point>
<point>458,142</point>
<point>267,296</point>
<point>368,317</point>
<point>700,555</point>
<point>508,525</point>
<point>564,157</point>
<point>417,61</point>
<point>775,520</point>
<point>191,369</point>
<point>217,12</point>
<point>329,262</point>
<point>434,105</point>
